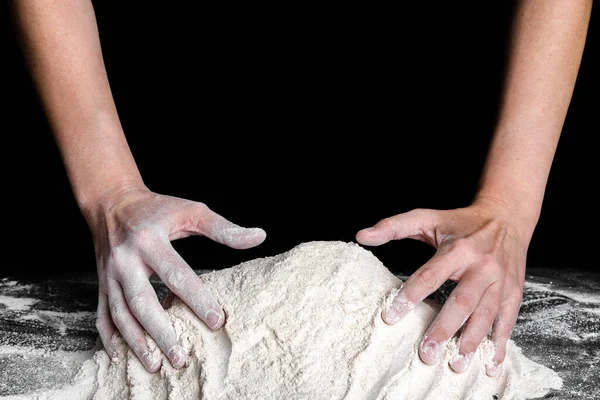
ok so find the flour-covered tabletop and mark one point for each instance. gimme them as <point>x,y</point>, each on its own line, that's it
<point>47,329</point>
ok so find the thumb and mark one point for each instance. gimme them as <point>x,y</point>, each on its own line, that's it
<point>221,230</point>
<point>415,224</point>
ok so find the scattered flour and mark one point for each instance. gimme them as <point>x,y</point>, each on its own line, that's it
<point>16,303</point>
<point>306,324</point>
<point>581,297</point>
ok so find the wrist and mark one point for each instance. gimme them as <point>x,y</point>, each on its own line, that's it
<point>95,204</point>
<point>520,216</point>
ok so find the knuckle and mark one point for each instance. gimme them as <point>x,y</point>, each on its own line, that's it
<point>386,223</point>
<point>144,236</point>
<point>194,211</point>
<point>464,302</point>
<point>486,314</point>
<point>460,250</point>
<point>441,333</point>
<point>463,246</point>
<point>119,315</point>
<point>489,263</point>
<point>460,243</point>
<point>118,260</point>
<point>426,277</point>
<point>490,270</point>
<point>139,305</point>
<point>201,207</point>
<point>174,277</point>
<point>114,256</point>
<point>418,212</point>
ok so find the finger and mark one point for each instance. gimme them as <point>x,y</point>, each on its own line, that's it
<point>501,332</point>
<point>212,225</point>
<point>415,224</point>
<point>456,309</point>
<point>478,327</point>
<point>144,305</point>
<point>130,328</point>
<point>172,269</point>
<point>104,324</point>
<point>423,282</point>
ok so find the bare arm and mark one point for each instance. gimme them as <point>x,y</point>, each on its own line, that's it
<point>546,51</point>
<point>61,44</point>
<point>545,55</point>
<point>483,247</point>
<point>131,226</point>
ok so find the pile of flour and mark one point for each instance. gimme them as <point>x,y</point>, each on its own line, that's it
<point>306,324</point>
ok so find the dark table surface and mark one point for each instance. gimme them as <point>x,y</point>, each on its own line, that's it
<point>47,329</point>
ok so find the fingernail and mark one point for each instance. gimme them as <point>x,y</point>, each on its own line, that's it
<point>255,231</point>
<point>213,319</point>
<point>398,309</point>
<point>461,363</point>
<point>493,369</point>
<point>178,356</point>
<point>235,231</point>
<point>152,360</point>
<point>241,237</point>
<point>430,351</point>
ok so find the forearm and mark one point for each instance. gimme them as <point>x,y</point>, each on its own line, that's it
<point>545,54</point>
<point>61,44</point>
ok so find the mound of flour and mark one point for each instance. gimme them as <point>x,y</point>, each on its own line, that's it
<point>306,324</point>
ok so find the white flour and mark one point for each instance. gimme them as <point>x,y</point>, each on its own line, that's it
<point>306,324</point>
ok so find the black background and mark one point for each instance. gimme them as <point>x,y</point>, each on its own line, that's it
<point>311,123</point>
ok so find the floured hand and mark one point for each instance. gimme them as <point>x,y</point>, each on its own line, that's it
<point>132,230</point>
<point>483,248</point>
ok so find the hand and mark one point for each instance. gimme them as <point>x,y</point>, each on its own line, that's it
<point>132,230</point>
<point>483,247</point>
